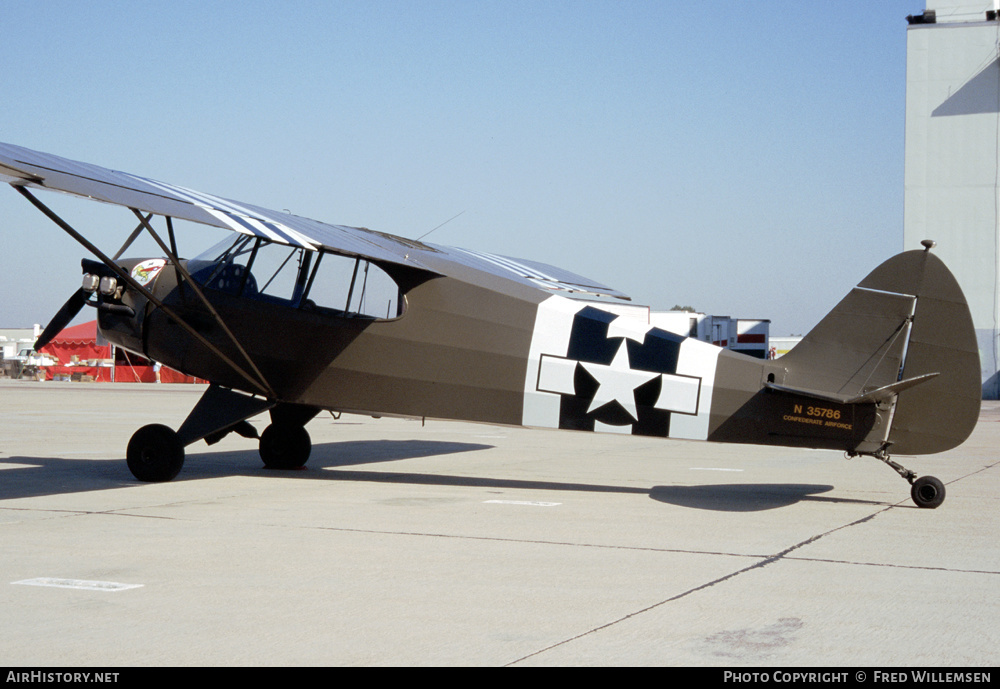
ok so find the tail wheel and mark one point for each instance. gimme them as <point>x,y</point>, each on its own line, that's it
<point>155,454</point>
<point>285,446</point>
<point>927,492</point>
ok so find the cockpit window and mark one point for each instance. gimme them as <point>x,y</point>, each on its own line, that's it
<point>297,278</point>
<point>224,266</point>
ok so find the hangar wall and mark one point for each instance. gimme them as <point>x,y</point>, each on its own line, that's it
<point>952,175</point>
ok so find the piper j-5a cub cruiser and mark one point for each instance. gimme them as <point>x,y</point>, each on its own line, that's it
<point>478,337</point>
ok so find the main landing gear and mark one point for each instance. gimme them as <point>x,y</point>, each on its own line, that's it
<point>156,453</point>
<point>926,492</point>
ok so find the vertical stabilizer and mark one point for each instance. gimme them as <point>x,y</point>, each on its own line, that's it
<point>907,321</point>
<point>941,413</point>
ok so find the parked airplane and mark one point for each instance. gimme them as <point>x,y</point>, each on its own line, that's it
<point>478,337</point>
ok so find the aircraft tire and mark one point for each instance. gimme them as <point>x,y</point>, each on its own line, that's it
<point>927,492</point>
<point>285,446</point>
<point>155,454</point>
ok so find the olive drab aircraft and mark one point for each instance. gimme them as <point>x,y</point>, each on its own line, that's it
<point>467,335</point>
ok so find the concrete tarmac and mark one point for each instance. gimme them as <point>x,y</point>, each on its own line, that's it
<point>445,543</point>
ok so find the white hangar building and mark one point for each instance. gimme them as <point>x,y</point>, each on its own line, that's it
<point>952,174</point>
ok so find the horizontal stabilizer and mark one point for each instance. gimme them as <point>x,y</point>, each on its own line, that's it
<point>882,394</point>
<point>886,393</point>
<point>815,394</point>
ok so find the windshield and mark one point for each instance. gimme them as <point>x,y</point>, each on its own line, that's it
<point>223,266</point>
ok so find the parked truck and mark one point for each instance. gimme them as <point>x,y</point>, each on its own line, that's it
<point>27,363</point>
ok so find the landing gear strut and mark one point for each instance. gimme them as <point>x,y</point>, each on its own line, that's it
<point>926,491</point>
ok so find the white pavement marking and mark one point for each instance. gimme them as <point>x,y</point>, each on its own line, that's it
<point>522,502</point>
<point>77,584</point>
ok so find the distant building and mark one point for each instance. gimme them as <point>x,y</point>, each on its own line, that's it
<point>13,340</point>
<point>783,345</point>
<point>744,335</point>
<point>952,175</point>
<point>748,336</point>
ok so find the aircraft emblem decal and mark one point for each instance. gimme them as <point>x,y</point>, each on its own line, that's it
<point>618,374</point>
<point>145,272</point>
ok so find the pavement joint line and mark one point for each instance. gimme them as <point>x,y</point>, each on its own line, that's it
<point>766,559</point>
<point>709,584</point>
<point>972,473</point>
<point>887,564</point>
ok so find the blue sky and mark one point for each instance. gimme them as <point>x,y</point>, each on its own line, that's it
<point>745,158</point>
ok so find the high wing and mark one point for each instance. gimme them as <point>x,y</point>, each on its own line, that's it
<point>24,167</point>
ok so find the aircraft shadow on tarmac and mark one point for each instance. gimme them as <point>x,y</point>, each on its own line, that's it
<point>56,476</point>
<point>742,497</point>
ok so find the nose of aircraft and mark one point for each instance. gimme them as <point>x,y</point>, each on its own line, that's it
<point>120,306</point>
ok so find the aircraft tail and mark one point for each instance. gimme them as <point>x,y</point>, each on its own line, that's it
<point>903,339</point>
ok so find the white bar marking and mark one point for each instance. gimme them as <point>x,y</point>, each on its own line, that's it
<point>521,502</point>
<point>78,584</point>
<point>556,374</point>
<point>679,394</point>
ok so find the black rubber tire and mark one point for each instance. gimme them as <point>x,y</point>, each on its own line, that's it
<point>927,492</point>
<point>285,446</point>
<point>155,454</point>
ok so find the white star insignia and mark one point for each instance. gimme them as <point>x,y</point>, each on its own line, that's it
<point>617,381</point>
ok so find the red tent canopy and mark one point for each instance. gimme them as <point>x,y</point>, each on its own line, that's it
<point>85,332</point>
<point>78,340</point>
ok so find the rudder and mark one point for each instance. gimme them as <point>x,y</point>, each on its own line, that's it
<point>906,321</point>
<point>940,414</point>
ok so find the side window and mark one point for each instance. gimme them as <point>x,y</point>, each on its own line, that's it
<point>278,273</point>
<point>351,285</point>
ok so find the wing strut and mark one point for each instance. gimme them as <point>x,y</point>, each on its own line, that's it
<point>131,238</point>
<point>261,384</point>
<point>197,290</point>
